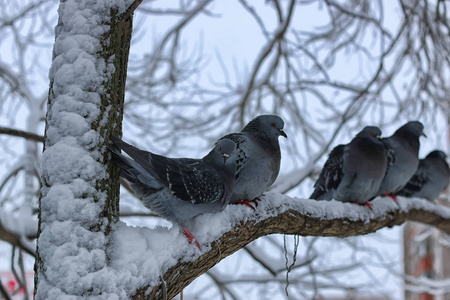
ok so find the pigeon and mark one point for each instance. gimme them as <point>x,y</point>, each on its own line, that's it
<point>402,149</point>
<point>431,177</point>
<point>353,172</point>
<point>179,189</point>
<point>258,157</point>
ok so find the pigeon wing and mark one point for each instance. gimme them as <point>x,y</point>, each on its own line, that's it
<point>419,179</point>
<point>390,153</point>
<point>331,175</point>
<point>240,139</point>
<point>187,179</point>
<point>194,181</point>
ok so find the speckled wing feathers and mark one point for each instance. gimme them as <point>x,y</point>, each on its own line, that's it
<point>195,183</point>
<point>331,174</point>
<point>240,139</point>
<point>187,179</point>
<point>419,179</point>
<point>430,179</point>
<point>390,153</point>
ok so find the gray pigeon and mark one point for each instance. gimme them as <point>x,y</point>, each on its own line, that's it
<point>353,172</point>
<point>258,157</point>
<point>402,149</point>
<point>179,189</point>
<point>430,179</point>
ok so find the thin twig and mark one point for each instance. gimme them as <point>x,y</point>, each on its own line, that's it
<point>22,134</point>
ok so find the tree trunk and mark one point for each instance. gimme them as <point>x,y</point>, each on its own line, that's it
<point>82,113</point>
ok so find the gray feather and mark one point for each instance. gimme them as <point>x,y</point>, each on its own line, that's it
<point>179,189</point>
<point>353,172</point>
<point>258,156</point>
<point>430,179</point>
<point>402,149</point>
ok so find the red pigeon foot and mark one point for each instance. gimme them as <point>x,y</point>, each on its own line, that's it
<point>246,202</point>
<point>367,204</point>
<point>391,196</point>
<point>255,201</point>
<point>191,237</point>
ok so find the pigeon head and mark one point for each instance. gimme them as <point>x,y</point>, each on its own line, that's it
<point>413,127</point>
<point>226,148</point>
<point>437,154</point>
<point>221,153</point>
<point>371,132</point>
<point>270,126</point>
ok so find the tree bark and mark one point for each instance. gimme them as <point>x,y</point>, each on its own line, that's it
<point>111,50</point>
<point>293,217</point>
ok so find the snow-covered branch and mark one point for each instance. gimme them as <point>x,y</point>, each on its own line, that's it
<point>279,214</point>
<point>19,229</point>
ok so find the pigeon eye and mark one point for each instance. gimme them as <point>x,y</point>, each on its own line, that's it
<point>370,132</point>
<point>273,124</point>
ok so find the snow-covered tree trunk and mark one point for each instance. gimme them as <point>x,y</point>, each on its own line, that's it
<point>78,201</point>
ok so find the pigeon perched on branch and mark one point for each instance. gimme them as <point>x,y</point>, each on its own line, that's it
<point>430,179</point>
<point>179,189</point>
<point>402,149</point>
<point>353,172</point>
<point>258,157</point>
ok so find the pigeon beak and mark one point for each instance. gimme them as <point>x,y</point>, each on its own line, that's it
<point>225,157</point>
<point>283,133</point>
<point>378,137</point>
<point>423,133</point>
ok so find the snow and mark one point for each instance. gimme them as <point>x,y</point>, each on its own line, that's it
<point>427,285</point>
<point>75,256</point>
<point>141,255</point>
<point>77,264</point>
<point>21,223</point>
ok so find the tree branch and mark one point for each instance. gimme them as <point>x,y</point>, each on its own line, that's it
<point>15,240</point>
<point>278,36</point>
<point>23,134</point>
<point>280,214</point>
<point>128,13</point>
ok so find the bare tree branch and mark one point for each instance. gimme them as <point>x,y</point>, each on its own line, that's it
<point>15,240</point>
<point>23,134</point>
<point>129,12</point>
<point>3,292</point>
<point>255,255</point>
<point>222,286</point>
<point>278,36</point>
